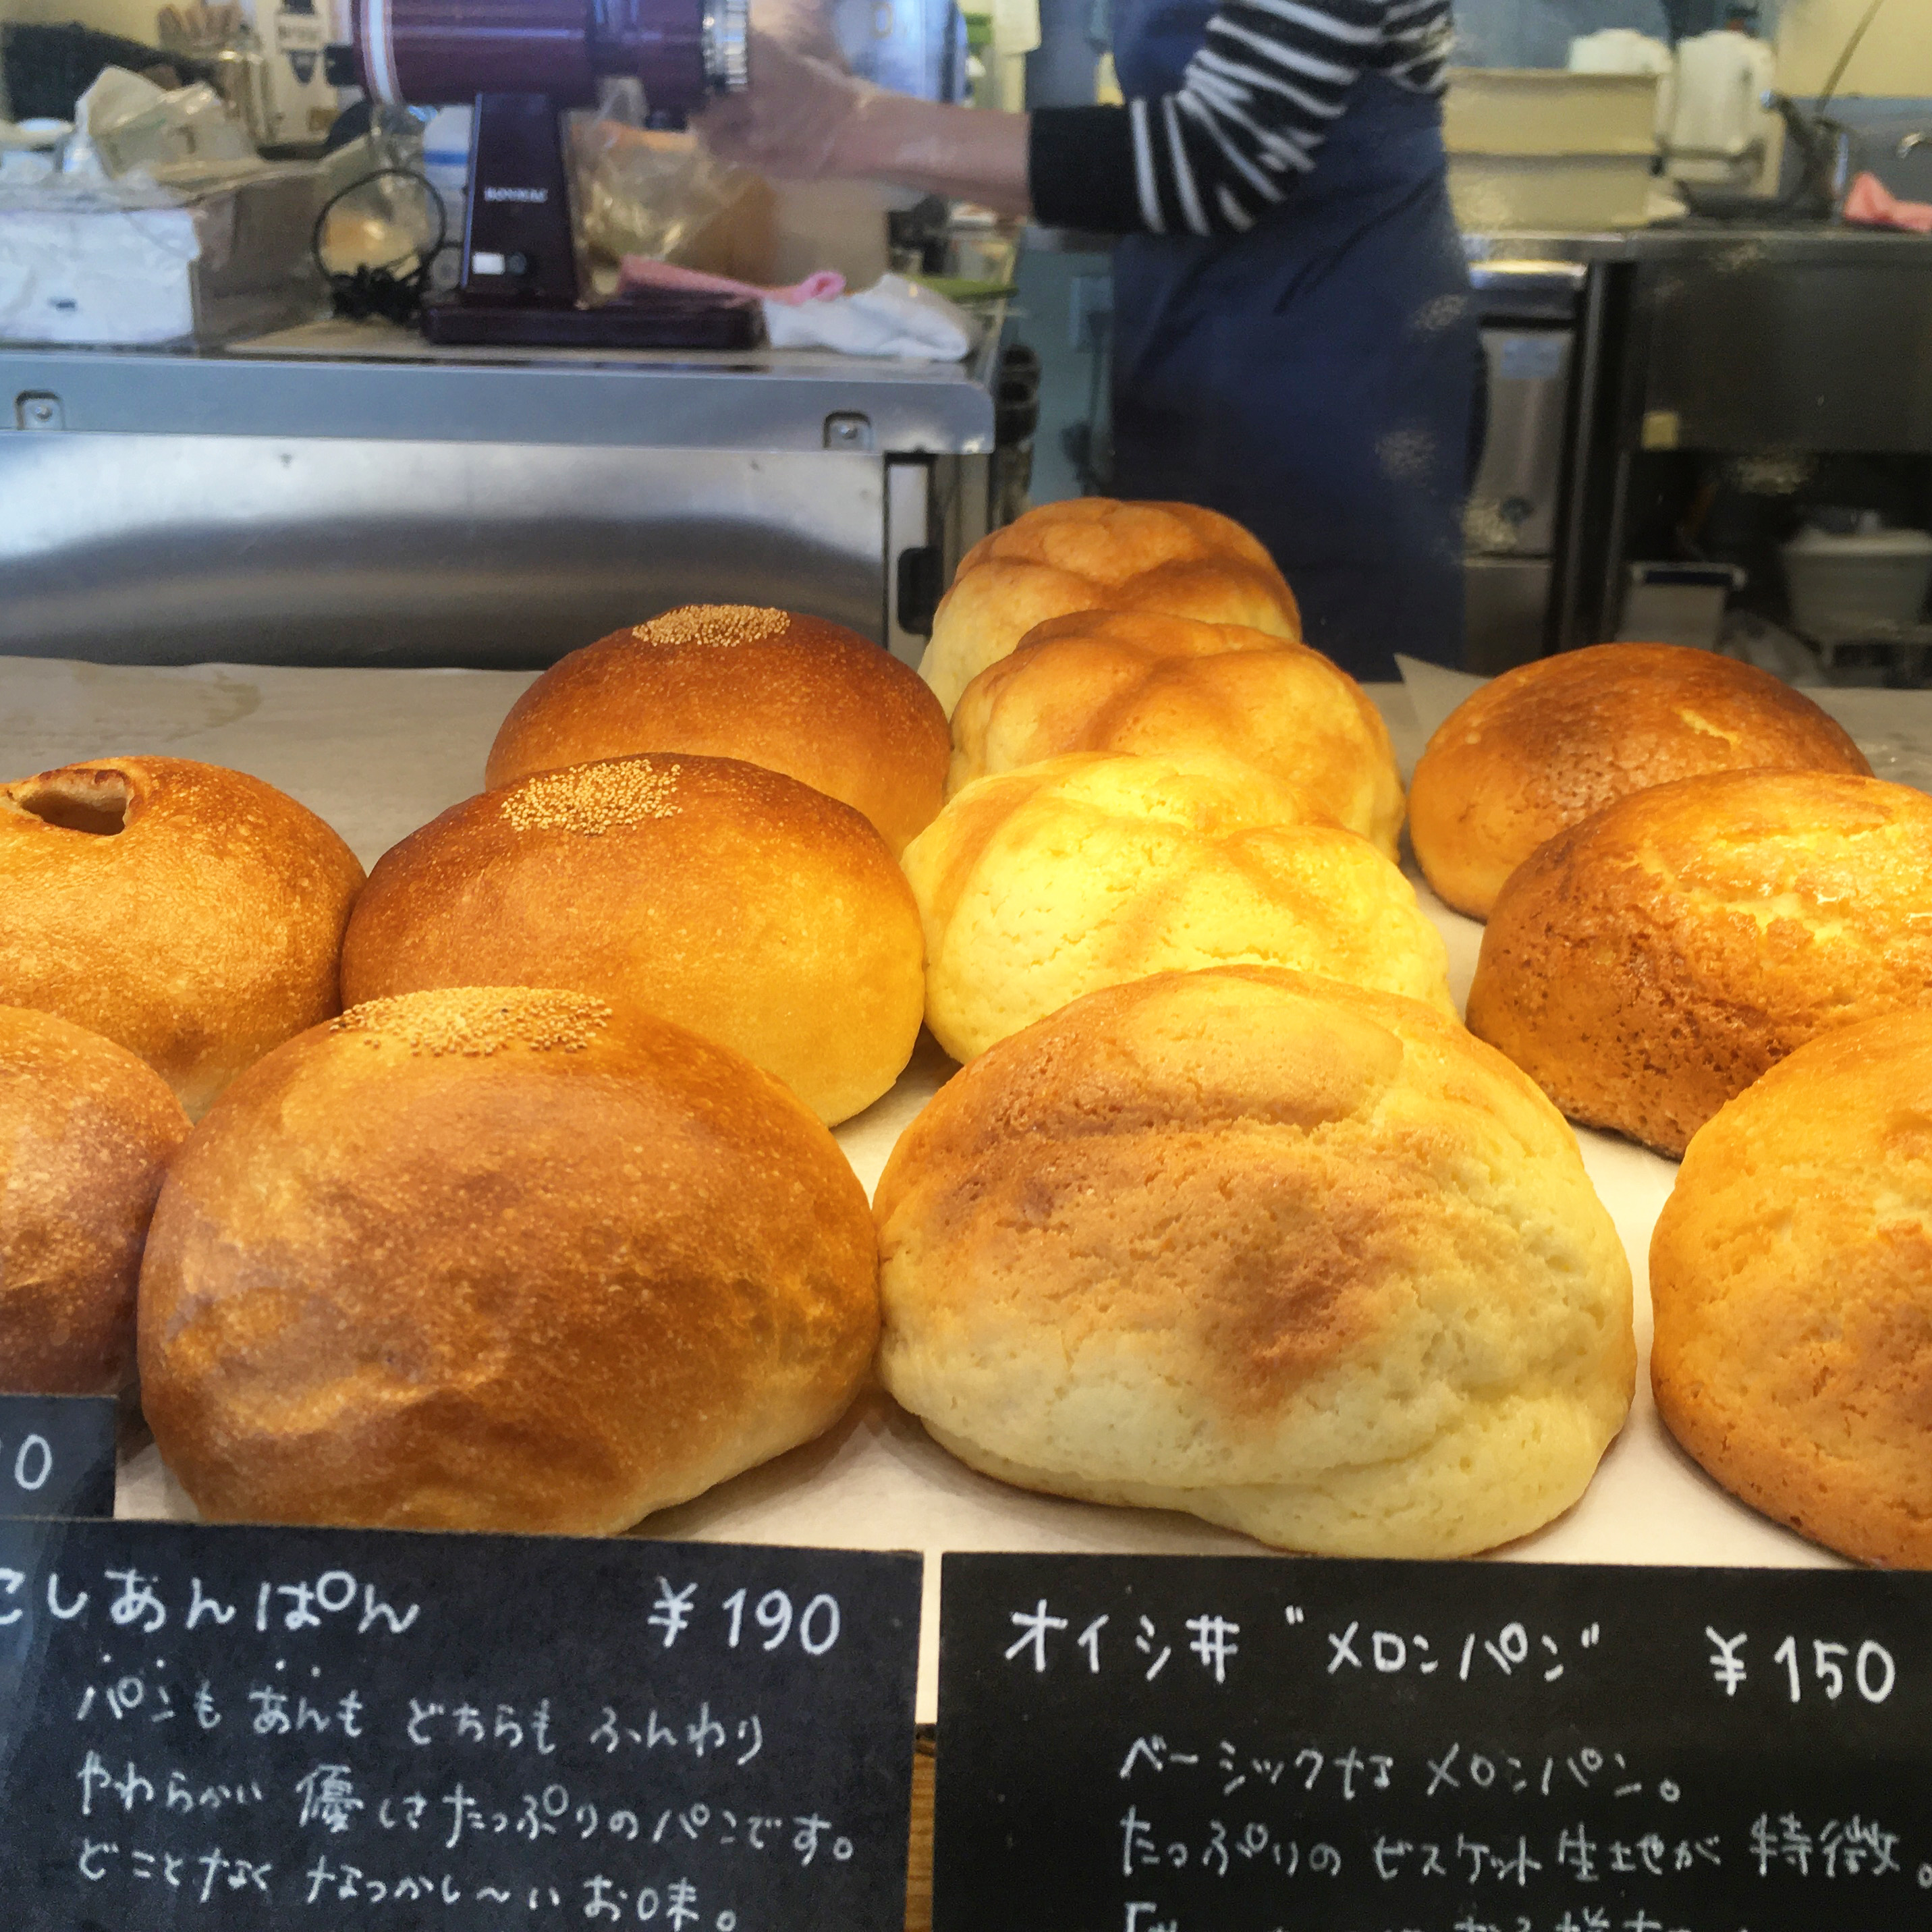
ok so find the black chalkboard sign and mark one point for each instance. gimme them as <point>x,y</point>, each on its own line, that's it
<point>56,1455</point>
<point>1235,1744</point>
<point>241,1728</point>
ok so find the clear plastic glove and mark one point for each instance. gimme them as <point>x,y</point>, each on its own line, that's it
<point>805,26</point>
<point>796,121</point>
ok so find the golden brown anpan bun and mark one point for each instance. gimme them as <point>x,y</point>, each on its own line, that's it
<point>1304,1260</point>
<point>730,899</point>
<point>1091,552</point>
<point>1176,688</point>
<point>796,695</point>
<point>499,1258</point>
<point>88,1130</point>
<point>1550,743</point>
<point>1791,1272</point>
<point>190,913</point>
<point>1040,885</point>
<point>1647,964</point>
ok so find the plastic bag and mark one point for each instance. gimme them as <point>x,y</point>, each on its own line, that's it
<point>379,211</point>
<point>642,192</point>
<point>126,125</point>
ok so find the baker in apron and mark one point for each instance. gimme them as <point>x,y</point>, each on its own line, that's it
<point>1311,372</point>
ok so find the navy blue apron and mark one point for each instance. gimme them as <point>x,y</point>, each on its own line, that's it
<point>1314,377</point>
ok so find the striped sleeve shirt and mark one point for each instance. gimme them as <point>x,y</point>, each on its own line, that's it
<point>1257,101</point>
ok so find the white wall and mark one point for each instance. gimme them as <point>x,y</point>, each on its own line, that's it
<point>134,19</point>
<point>1895,57</point>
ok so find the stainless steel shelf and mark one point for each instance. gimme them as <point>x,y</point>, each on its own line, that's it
<point>358,382</point>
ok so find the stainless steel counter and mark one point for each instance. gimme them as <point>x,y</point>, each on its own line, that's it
<point>1716,244</point>
<point>356,379</point>
<point>343,493</point>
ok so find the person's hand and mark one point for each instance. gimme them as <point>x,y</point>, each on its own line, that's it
<point>795,120</point>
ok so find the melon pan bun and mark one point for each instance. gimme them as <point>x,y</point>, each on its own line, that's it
<point>1092,553</point>
<point>1301,1258</point>
<point>1038,885</point>
<point>1791,1273</point>
<point>1191,693</point>
<point>1653,961</point>
<point>1550,743</point>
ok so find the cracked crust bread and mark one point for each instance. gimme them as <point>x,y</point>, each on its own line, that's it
<point>499,1258</point>
<point>1791,1273</point>
<point>1037,886</point>
<point>1548,743</point>
<point>88,1130</point>
<point>727,898</point>
<point>1092,553</point>
<point>1176,688</point>
<point>1304,1260</point>
<point>1648,963</point>
<point>796,695</point>
<point>188,913</point>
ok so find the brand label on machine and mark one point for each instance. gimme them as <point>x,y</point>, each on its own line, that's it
<point>270,1728</point>
<point>56,1455</point>
<point>535,196</point>
<point>1241,1744</point>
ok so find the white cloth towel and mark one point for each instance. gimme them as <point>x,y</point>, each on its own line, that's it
<point>893,317</point>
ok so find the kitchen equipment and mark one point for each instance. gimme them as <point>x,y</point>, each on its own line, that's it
<point>523,65</point>
<point>1527,310</point>
<point>1859,583</point>
<point>295,104</point>
<point>1677,603</point>
<point>1541,148</point>
<point>1547,111</point>
<point>1719,127</point>
<point>1624,50</point>
<point>1559,193</point>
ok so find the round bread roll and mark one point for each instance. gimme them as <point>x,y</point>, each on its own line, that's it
<point>732,900</point>
<point>1304,1260</point>
<point>1174,688</point>
<point>192,914</point>
<point>1091,553</point>
<point>1037,886</point>
<point>499,1258</point>
<point>88,1130</point>
<point>1791,1275</point>
<point>795,695</point>
<point>1647,964</point>
<point>1550,743</point>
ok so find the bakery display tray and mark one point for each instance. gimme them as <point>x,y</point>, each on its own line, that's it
<point>377,753</point>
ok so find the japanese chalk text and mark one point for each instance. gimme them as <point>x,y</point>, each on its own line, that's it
<point>1214,1745</point>
<point>276,1728</point>
<point>56,1455</point>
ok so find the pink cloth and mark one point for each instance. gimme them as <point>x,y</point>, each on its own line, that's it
<point>1872,205</point>
<point>641,271</point>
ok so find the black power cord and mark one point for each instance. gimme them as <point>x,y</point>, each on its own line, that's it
<point>381,291</point>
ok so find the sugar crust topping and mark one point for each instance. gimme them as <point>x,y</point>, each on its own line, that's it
<point>592,799</point>
<point>718,624</point>
<point>479,1020</point>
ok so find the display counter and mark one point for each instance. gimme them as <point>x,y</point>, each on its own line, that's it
<point>378,753</point>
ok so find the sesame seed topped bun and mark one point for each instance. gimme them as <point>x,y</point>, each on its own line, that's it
<point>796,695</point>
<point>728,899</point>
